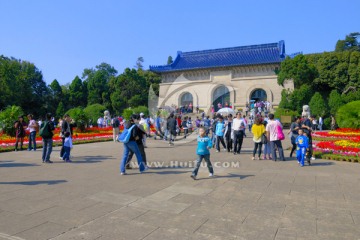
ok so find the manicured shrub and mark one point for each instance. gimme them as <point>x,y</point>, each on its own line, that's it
<point>317,105</point>
<point>8,118</point>
<point>348,116</point>
<point>285,112</point>
<point>80,118</point>
<point>94,111</point>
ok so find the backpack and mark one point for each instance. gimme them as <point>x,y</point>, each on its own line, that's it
<point>124,137</point>
<point>115,123</point>
<point>213,127</point>
<point>44,131</point>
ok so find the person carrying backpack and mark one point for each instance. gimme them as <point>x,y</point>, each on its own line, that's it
<point>46,133</point>
<point>131,145</point>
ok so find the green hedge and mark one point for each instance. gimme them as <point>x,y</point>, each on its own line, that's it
<point>348,115</point>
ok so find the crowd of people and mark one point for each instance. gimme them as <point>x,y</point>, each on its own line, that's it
<point>220,132</point>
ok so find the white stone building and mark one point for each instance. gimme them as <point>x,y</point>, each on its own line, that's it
<point>228,75</point>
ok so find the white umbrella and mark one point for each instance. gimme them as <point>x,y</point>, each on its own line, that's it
<point>226,110</point>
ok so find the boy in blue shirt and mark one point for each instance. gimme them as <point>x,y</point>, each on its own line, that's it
<point>202,151</point>
<point>220,129</point>
<point>302,143</point>
<point>67,147</point>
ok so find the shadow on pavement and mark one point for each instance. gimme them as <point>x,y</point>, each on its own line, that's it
<point>91,159</point>
<point>230,175</point>
<point>9,164</point>
<point>49,182</point>
<point>321,163</point>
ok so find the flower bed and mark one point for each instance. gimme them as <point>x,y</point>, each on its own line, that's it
<point>342,144</point>
<point>94,134</point>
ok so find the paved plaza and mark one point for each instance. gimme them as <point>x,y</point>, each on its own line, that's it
<point>89,199</point>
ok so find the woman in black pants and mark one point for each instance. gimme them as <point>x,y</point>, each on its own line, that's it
<point>294,128</point>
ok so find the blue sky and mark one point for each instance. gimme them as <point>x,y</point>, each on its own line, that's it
<point>63,37</point>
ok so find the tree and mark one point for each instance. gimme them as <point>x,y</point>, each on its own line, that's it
<point>169,60</point>
<point>78,93</point>
<point>285,102</point>
<point>300,97</point>
<point>8,117</point>
<point>97,82</point>
<point>348,115</point>
<point>139,63</point>
<point>60,110</point>
<point>129,89</point>
<point>317,105</point>
<point>22,85</point>
<point>80,118</point>
<point>298,69</point>
<point>94,111</point>
<point>335,101</point>
<point>350,43</point>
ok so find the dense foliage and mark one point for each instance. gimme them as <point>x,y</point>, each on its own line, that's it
<point>22,85</point>
<point>8,118</point>
<point>325,81</point>
<point>348,115</point>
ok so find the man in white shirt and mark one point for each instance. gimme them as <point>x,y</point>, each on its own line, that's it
<point>32,129</point>
<point>272,135</point>
<point>238,126</point>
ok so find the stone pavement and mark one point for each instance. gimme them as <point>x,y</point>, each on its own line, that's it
<point>89,199</point>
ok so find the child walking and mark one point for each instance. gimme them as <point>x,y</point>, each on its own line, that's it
<point>67,147</point>
<point>302,143</point>
<point>220,129</point>
<point>202,151</point>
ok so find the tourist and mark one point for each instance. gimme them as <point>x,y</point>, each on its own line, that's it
<point>272,129</point>
<point>267,146</point>
<point>294,129</point>
<point>100,122</point>
<point>20,126</point>
<point>251,122</point>
<point>207,124</point>
<point>197,124</point>
<point>320,123</point>
<point>306,125</point>
<point>140,133</point>
<point>67,147</point>
<point>145,126</point>
<point>238,126</point>
<point>314,124</point>
<point>171,126</point>
<point>245,123</point>
<point>158,123</point>
<point>32,129</point>
<point>202,151</point>
<point>46,132</point>
<point>333,123</point>
<point>220,129</point>
<point>132,145</point>
<point>302,143</point>
<point>258,130</point>
<point>184,126</point>
<point>65,127</point>
<point>115,123</point>
<point>229,134</point>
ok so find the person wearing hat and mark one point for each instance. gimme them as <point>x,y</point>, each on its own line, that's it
<point>20,127</point>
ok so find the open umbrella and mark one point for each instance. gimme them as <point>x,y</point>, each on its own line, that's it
<point>226,111</point>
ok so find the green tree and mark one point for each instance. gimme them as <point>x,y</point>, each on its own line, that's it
<point>317,105</point>
<point>77,93</point>
<point>60,110</point>
<point>94,111</point>
<point>139,63</point>
<point>300,97</point>
<point>350,43</point>
<point>335,101</point>
<point>129,89</point>
<point>80,118</point>
<point>298,69</point>
<point>97,81</point>
<point>8,117</point>
<point>285,102</point>
<point>348,115</point>
<point>169,60</point>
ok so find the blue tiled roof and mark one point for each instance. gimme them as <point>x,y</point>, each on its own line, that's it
<point>225,57</point>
